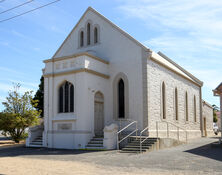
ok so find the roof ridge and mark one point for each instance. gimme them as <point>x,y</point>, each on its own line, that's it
<point>181,68</point>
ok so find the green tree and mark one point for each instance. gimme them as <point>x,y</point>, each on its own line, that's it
<point>19,114</point>
<point>39,95</point>
<point>215,109</point>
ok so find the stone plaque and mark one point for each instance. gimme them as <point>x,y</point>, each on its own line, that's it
<point>65,126</point>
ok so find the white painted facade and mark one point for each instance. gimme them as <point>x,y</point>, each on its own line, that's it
<point>98,68</point>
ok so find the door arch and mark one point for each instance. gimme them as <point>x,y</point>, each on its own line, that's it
<point>205,126</point>
<point>98,114</point>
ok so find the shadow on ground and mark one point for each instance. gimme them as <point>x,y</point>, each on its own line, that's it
<point>23,151</point>
<point>210,151</point>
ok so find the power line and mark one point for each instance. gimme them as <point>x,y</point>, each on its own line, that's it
<point>16,6</point>
<point>29,11</point>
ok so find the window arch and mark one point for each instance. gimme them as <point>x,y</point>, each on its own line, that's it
<point>163,101</point>
<point>186,106</point>
<point>66,97</point>
<point>81,39</point>
<point>88,33</point>
<point>120,96</point>
<point>176,104</point>
<point>195,109</point>
<point>121,99</point>
<point>95,35</point>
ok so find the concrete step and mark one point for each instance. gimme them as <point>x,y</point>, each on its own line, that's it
<point>95,142</point>
<point>97,139</point>
<point>38,140</point>
<point>135,146</point>
<point>133,149</point>
<point>36,146</point>
<point>95,148</point>
<point>148,140</point>
<point>36,143</point>
<point>133,152</point>
<point>135,142</point>
<point>94,145</point>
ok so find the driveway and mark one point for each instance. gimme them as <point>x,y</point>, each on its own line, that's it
<point>196,157</point>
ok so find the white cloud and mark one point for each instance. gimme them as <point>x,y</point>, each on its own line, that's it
<point>197,20</point>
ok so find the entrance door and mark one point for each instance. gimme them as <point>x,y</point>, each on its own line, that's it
<point>205,127</point>
<point>98,114</point>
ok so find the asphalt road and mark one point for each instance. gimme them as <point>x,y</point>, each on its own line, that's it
<point>198,156</point>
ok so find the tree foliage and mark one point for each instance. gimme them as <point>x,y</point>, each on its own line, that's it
<point>19,114</point>
<point>40,97</point>
<point>215,109</point>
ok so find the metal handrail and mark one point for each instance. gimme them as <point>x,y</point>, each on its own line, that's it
<point>178,129</point>
<point>119,141</point>
<point>143,139</point>
<point>124,120</point>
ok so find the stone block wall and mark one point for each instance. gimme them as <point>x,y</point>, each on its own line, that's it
<point>157,74</point>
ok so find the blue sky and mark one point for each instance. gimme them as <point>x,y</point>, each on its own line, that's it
<point>187,31</point>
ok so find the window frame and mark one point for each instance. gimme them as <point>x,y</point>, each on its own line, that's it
<point>64,100</point>
<point>176,104</point>
<point>186,107</point>
<point>163,100</point>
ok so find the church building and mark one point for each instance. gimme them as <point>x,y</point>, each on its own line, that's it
<point>101,75</point>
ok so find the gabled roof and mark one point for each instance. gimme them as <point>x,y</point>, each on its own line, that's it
<point>180,70</point>
<point>218,90</point>
<point>107,20</point>
<point>206,103</point>
<point>162,59</point>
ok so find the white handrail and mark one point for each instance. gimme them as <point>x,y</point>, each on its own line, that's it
<point>123,120</point>
<point>168,134</point>
<point>119,141</point>
<point>143,139</point>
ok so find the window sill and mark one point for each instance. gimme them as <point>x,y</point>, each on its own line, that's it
<point>64,116</point>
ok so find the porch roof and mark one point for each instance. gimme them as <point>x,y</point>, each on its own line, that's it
<point>218,90</point>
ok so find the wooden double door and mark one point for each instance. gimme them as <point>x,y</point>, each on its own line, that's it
<point>98,114</point>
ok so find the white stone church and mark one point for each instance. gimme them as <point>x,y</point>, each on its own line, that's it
<point>101,76</point>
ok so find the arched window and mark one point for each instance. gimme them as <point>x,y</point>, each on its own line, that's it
<point>95,35</point>
<point>81,39</point>
<point>121,99</point>
<point>66,98</point>
<point>194,108</point>
<point>186,105</point>
<point>163,101</point>
<point>176,104</point>
<point>88,33</point>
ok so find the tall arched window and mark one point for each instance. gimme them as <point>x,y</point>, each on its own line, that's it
<point>66,98</point>
<point>95,35</point>
<point>81,39</point>
<point>186,105</point>
<point>194,108</point>
<point>176,104</point>
<point>88,33</point>
<point>121,99</point>
<point>163,101</point>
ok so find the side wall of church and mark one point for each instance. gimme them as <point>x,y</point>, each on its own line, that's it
<point>208,114</point>
<point>158,74</point>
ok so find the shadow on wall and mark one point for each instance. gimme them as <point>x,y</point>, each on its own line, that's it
<point>209,151</point>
